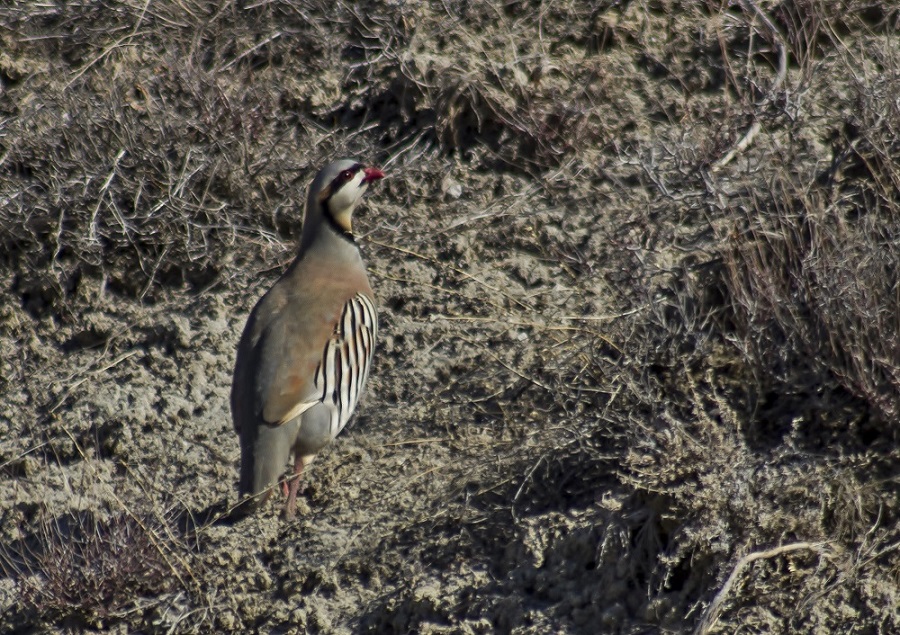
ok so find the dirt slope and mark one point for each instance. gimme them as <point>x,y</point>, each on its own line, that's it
<point>636,268</point>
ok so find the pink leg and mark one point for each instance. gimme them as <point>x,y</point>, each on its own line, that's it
<point>291,506</point>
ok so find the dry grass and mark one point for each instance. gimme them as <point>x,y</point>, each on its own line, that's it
<point>86,570</point>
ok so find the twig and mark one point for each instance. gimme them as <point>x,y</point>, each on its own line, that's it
<point>455,270</point>
<point>102,194</point>
<point>740,146</point>
<point>414,442</point>
<point>23,454</point>
<point>711,615</point>
<point>748,137</point>
<point>249,51</point>
<point>109,49</point>
<point>118,360</point>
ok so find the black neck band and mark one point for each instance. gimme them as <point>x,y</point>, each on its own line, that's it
<point>340,231</point>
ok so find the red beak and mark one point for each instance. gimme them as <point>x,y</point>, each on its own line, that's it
<point>372,174</point>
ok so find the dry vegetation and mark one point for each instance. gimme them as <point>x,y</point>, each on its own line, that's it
<point>638,272</point>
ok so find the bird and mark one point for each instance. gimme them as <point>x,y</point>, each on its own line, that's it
<point>306,350</point>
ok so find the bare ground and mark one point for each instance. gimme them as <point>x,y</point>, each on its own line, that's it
<point>636,266</point>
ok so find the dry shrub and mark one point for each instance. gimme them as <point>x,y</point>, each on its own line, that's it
<point>84,569</point>
<point>505,92</point>
<point>149,144</point>
<point>810,260</point>
<point>760,382</point>
<point>816,301</point>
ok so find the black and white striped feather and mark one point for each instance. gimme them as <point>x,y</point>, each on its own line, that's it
<point>341,375</point>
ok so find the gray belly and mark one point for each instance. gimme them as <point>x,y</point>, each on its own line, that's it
<point>315,430</point>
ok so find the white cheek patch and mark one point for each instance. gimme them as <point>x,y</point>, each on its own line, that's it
<point>347,196</point>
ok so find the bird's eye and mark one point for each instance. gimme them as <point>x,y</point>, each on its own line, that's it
<point>346,175</point>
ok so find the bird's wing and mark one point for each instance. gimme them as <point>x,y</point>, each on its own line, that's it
<point>304,362</point>
<point>277,357</point>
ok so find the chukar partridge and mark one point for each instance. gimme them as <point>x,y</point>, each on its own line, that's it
<point>304,356</point>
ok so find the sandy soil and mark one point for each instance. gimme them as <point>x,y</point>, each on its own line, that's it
<point>566,429</point>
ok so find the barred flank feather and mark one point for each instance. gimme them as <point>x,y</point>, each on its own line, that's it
<point>342,373</point>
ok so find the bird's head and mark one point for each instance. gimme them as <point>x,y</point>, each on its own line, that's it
<point>338,188</point>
